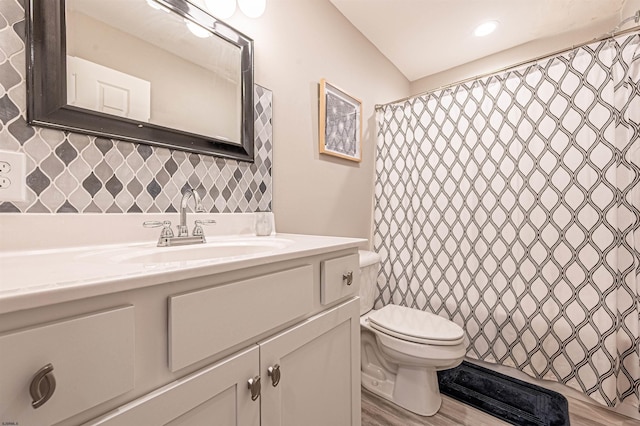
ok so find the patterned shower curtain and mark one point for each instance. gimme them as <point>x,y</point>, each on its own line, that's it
<point>511,205</point>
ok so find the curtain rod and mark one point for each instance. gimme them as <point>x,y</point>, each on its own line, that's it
<point>612,34</point>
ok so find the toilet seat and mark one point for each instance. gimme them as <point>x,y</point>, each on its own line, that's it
<point>416,326</point>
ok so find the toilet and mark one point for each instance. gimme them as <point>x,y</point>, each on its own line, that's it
<point>402,348</point>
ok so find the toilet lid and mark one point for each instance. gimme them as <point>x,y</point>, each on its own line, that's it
<point>416,326</point>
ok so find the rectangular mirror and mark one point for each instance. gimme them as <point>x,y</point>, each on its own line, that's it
<point>160,72</point>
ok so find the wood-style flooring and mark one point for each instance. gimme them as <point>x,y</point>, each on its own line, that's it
<point>377,411</point>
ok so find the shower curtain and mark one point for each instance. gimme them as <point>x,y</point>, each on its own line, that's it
<point>511,205</point>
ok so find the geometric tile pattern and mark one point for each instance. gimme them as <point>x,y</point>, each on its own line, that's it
<point>511,205</point>
<point>74,173</point>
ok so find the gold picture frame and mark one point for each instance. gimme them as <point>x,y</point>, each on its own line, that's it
<point>340,124</point>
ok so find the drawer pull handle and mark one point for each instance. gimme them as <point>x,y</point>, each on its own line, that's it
<point>348,277</point>
<point>274,373</point>
<point>254,386</point>
<point>42,386</point>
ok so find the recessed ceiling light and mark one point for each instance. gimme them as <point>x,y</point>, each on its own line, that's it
<point>485,29</point>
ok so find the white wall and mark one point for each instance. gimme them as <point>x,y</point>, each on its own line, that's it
<point>298,42</point>
<point>630,7</point>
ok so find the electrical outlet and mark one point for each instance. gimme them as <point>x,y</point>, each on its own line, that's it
<point>5,167</point>
<point>13,184</point>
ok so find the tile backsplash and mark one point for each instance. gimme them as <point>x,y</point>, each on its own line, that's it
<point>74,173</point>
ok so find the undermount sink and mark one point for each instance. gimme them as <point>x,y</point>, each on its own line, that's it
<point>208,251</point>
<point>147,254</point>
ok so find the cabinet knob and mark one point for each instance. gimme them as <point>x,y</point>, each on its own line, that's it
<point>348,277</point>
<point>254,387</point>
<point>42,386</point>
<point>274,373</point>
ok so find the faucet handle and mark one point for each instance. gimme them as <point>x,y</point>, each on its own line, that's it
<point>197,229</point>
<point>166,231</point>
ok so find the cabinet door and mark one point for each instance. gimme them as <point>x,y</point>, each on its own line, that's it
<point>92,357</point>
<point>319,368</point>
<point>216,396</point>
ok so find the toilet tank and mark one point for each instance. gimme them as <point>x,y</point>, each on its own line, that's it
<point>369,268</point>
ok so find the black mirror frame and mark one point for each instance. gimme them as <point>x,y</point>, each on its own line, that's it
<point>47,86</point>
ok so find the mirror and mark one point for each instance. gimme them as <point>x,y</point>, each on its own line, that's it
<point>160,72</point>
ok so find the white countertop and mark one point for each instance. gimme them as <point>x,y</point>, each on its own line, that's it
<point>33,278</point>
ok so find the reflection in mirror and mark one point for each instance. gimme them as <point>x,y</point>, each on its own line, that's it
<point>162,72</point>
<point>196,90</point>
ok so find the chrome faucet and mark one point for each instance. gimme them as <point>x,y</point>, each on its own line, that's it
<point>183,231</point>
<point>166,236</point>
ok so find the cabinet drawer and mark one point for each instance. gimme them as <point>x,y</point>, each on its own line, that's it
<point>335,283</point>
<point>205,322</point>
<point>92,358</point>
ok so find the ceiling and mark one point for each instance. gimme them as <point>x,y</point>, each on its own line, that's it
<point>424,37</point>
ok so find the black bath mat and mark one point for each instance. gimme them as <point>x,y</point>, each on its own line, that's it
<point>504,397</point>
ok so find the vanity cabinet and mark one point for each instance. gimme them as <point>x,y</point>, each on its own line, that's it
<point>305,378</point>
<point>184,352</point>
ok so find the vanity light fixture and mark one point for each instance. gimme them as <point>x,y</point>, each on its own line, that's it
<point>157,6</point>
<point>485,28</point>
<point>197,30</point>
<point>221,9</point>
<point>252,8</point>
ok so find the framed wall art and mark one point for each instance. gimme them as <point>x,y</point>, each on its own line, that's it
<point>340,123</point>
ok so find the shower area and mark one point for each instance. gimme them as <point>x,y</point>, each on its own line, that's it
<point>511,204</point>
